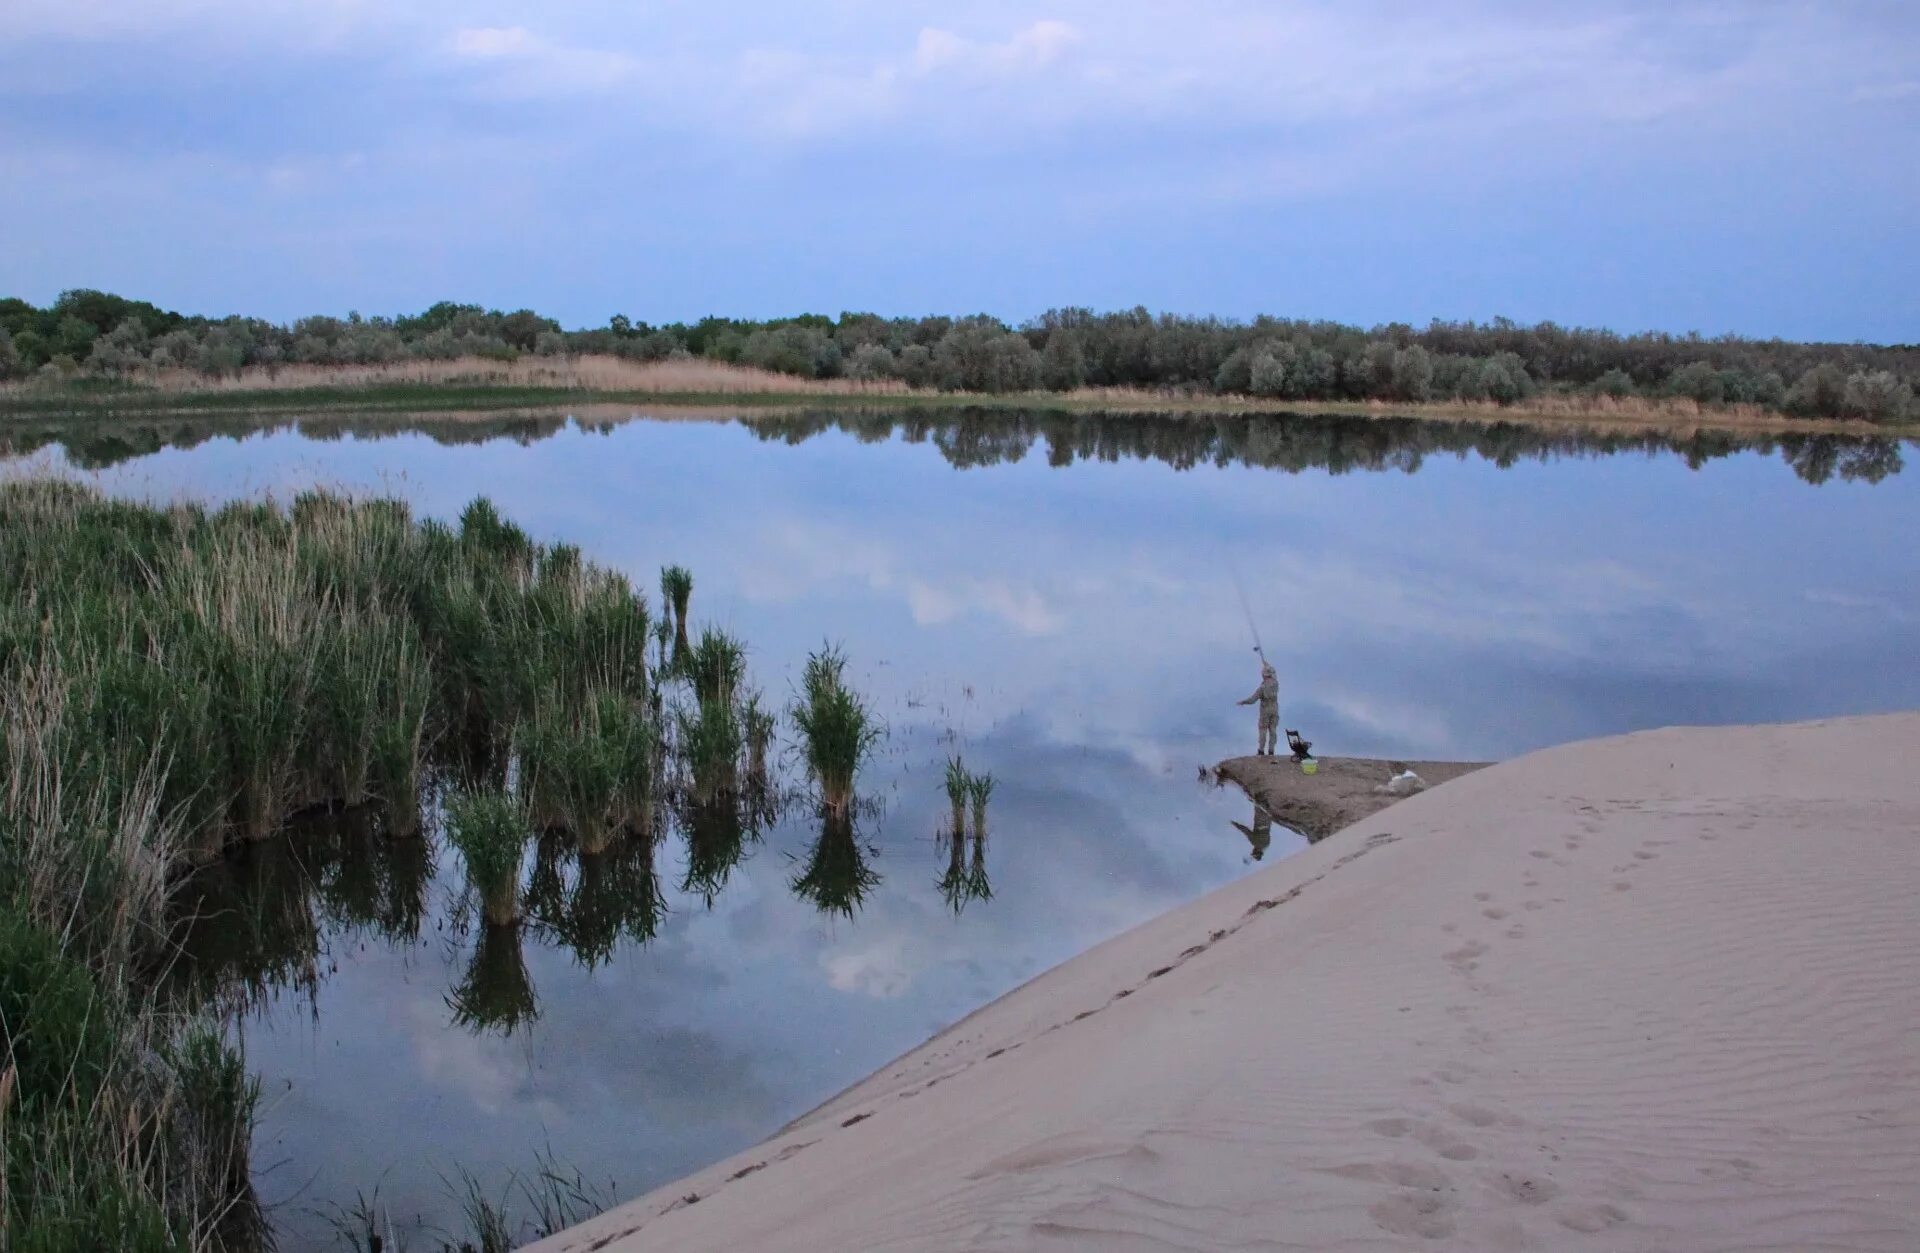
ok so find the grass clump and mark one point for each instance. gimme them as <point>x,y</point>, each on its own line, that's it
<point>836,731</point>
<point>491,831</point>
<point>589,769</point>
<point>676,589</point>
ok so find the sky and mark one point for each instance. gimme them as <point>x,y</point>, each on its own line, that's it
<point>1711,165</point>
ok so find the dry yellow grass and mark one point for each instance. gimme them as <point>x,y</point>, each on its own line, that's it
<point>583,373</point>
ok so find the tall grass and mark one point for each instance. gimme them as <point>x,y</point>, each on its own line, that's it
<point>175,680</point>
<point>836,730</point>
<point>676,588</point>
<point>491,831</point>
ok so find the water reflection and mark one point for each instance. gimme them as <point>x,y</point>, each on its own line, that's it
<point>836,875</point>
<point>496,993</point>
<point>588,903</point>
<point>985,437</point>
<point>1260,834</point>
<point>261,920</point>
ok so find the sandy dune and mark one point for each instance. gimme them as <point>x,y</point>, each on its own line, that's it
<point>1651,993</point>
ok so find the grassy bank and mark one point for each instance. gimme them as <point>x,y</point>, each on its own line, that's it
<point>485,388</point>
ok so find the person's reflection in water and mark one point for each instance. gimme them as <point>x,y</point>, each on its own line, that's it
<point>1260,834</point>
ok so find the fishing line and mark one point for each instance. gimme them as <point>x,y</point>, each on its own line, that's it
<point>1240,591</point>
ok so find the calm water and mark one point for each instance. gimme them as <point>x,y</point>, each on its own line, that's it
<point>1055,599</point>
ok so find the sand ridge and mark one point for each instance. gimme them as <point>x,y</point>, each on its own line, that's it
<point>1654,992</point>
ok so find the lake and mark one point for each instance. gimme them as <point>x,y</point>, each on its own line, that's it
<point>1055,598</point>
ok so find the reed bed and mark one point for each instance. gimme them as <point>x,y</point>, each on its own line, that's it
<point>175,680</point>
<point>583,372</point>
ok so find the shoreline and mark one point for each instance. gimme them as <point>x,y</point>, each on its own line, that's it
<point>483,400</point>
<point>1649,991</point>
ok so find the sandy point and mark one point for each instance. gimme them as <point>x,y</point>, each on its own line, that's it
<point>1653,992</point>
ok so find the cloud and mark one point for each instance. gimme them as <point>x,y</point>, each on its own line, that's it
<point>1035,47</point>
<point>520,64</point>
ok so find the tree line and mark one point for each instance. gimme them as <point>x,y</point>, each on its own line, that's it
<point>1501,362</point>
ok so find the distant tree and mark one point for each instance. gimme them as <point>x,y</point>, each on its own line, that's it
<point>522,328</point>
<point>980,355</point>
<point>1698,381</point>
<point>1504,380</point>
<point>73,337</point>
<point>1616,383</point>
<point>800,350</point>
<point>9,359</point>
<point>1412,373</point>
<point>914,363</point>
<point>1063,364</point>
<point>123,348</point>
<point>1877,396</point>
<point>870,362</point>
<point>1374,376</point>
<point>1270,370</point>
<point>176,349</point>
<point>550,344</point>
<point>620,324</point>
<point>1820,392</point>
<point>1235,374</point>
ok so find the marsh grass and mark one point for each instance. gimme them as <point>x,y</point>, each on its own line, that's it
<point>710,741</point>
<point>589,769</point>
<point>491,831</point>
<point>757,724</point>
<point>715,666</point>
<point>836,730</point>
<point>676,589</point>
<point>175,681</point>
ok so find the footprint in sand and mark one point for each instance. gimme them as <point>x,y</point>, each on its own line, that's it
<point>1415,1214</point>
<point>1525,1188</point>
<point>1621,885</point>
<point>1531,905</point>
<point>1483,896</point>
<point>1589,1218</point>
<point>1495,913</point>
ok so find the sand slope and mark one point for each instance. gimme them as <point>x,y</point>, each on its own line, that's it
<point>1651,993</point>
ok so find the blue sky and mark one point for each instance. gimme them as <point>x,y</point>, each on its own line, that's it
<point>1748,167</point>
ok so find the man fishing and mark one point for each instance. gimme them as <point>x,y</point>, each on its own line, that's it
<point>1268,696</point>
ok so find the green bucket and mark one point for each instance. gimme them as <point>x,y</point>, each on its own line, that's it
<point>1309,766</point>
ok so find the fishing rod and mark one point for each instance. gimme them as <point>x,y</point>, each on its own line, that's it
<point>1246,609</point>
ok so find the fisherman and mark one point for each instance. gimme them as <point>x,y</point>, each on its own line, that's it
<point>1268,696</point>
